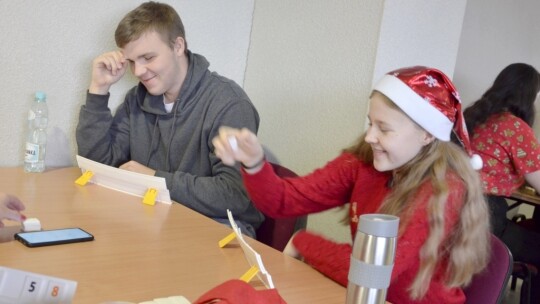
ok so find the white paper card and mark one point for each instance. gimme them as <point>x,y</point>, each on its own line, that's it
<point>253,258</point>
<point>19,286</point>
<point>124,181</point>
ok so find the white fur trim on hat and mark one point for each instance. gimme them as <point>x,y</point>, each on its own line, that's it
<point>476,162</point>
<point>418,109</point>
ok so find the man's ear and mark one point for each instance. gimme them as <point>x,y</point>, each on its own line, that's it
<point>180,45</point>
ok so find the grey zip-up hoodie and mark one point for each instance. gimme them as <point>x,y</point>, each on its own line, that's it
<point>178,145</point>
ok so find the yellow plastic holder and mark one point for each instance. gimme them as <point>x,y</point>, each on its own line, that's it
<point>248,276</point>
<point>226,240</point>
<point>84,178</point>
<point>150,197</point>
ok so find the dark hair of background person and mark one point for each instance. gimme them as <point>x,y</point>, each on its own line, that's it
<point>514,90</point>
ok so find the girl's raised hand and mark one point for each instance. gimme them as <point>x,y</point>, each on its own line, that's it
<point>242,145</point>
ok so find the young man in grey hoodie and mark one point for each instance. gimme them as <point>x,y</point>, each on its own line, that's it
<point>166,123</point>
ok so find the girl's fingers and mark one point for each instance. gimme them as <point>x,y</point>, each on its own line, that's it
<point>222,152</point>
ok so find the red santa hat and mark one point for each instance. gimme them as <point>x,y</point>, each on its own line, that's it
<point>429,98</point>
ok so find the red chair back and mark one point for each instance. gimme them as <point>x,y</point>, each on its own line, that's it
<point>277,232</point>
<point>489,286</point>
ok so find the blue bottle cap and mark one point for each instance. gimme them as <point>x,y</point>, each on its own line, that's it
<point>40,95</point>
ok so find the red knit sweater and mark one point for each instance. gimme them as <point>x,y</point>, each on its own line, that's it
<point>347,179</point>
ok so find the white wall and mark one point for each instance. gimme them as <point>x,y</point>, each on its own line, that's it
<point>419,32</point>
<point>49,46</point>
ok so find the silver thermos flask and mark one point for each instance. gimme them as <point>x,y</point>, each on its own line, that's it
<point>372,259</point>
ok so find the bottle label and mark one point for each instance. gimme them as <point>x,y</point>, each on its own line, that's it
<point>32,153</point>
<point>31,115</point>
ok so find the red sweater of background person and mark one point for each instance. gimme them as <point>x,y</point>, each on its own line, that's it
<point>346,179</point>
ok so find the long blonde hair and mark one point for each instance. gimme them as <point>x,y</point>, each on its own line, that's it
<point>468,244</point>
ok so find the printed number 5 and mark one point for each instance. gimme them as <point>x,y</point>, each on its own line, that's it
<point>32,286</point>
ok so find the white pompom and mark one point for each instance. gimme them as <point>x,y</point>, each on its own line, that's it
<point>476,162</point>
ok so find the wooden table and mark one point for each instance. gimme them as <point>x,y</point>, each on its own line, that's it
<point>524,196</point>
<point>140,252</point>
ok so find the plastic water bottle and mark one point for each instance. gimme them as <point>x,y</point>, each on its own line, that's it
<point>372,259</point>
<point>36,140</point>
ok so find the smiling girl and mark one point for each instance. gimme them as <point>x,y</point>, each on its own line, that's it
<point>404,165</point>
